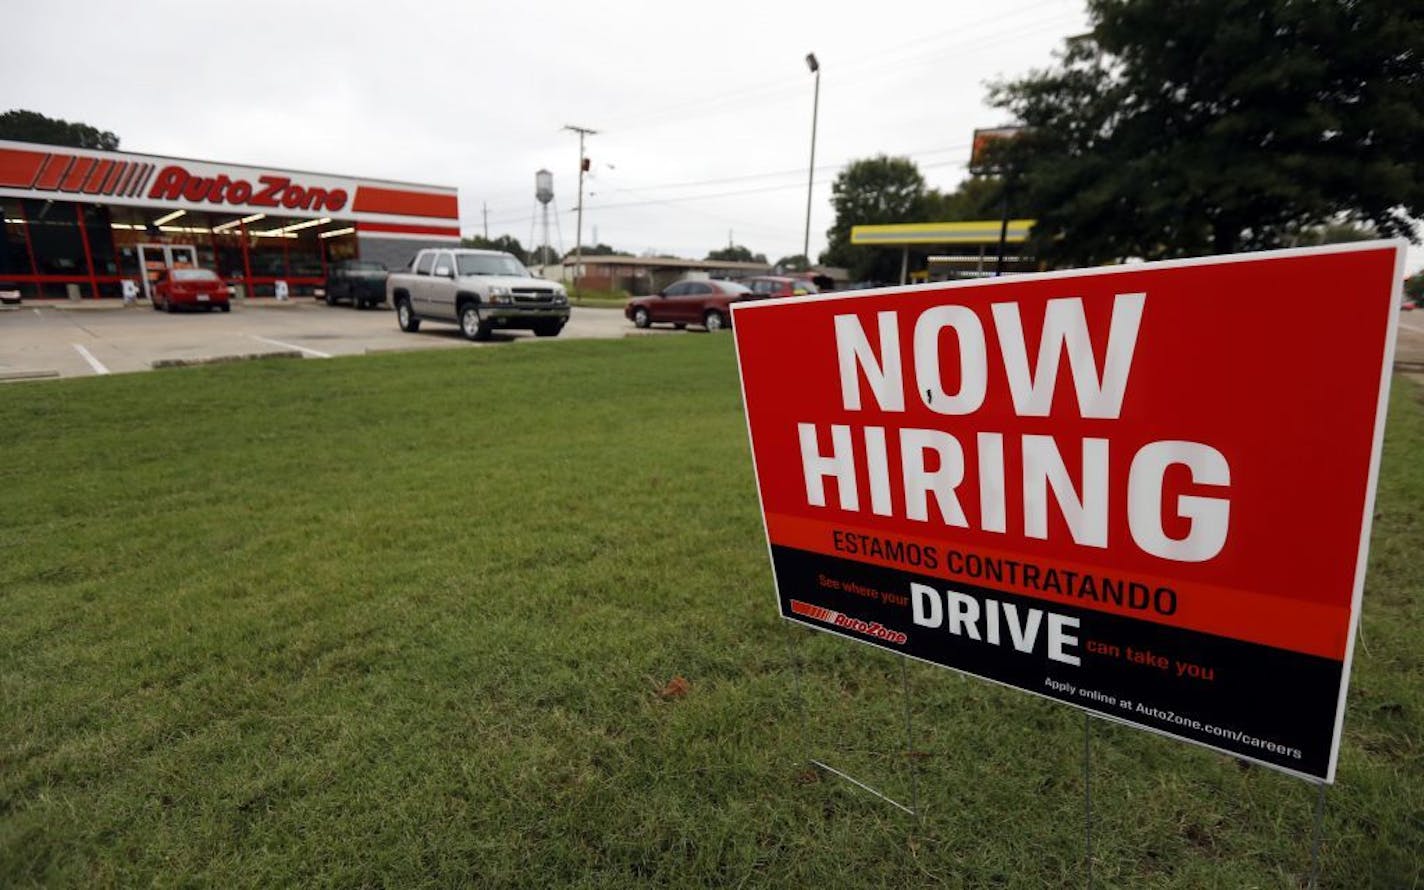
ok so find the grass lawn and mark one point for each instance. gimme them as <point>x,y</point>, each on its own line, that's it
<point>404,621</point>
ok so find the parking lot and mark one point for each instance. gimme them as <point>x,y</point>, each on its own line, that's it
<point>67,340</point>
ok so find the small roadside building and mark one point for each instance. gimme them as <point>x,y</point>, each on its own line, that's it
<point>641,275</point>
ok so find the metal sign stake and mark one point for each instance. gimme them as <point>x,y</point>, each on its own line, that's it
<point>1319,836</point>
<point>1088,794</point>
<point>910,742</point>
<point>914,808</point>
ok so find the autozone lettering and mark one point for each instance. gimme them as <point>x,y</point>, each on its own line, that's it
<point>175,183</point>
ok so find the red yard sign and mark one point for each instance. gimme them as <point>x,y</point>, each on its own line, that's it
<point>1143,490</point>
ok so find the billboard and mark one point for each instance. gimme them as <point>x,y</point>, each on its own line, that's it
<point>983,139</point>
<point>1143,490</point>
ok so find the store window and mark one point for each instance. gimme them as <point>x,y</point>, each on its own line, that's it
<point>228,248</point>
<point>101,239</point>
<point>54,235</point>
<point>340,247</point>
<point>14,252</point>
<point>268,258</point>
<point>305,260</point>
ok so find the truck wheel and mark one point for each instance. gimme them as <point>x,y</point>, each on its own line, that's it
<point>470,324</point>
<point>640,318</point>
<point>330,298</point>
<point>405,317</point>
<point>714,320</point>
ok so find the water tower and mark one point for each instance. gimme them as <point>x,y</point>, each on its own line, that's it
<point>544,191</point>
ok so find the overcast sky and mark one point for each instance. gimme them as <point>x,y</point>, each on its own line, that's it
<point>703,111</point>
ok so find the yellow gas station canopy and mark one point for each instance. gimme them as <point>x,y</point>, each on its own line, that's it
<point>977,231</point>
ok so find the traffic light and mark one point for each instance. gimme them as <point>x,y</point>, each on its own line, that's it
<point>584,165</point>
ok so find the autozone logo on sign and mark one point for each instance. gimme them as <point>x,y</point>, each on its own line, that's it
<point>1145,491</point>
<point>175,183</point>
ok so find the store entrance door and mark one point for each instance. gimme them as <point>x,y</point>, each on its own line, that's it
<point>154,258</point>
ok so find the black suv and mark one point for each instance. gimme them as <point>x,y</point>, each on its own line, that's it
<point>360,282</point>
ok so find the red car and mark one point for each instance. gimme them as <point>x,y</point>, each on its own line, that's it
<point>707,303</point>
<point>189,287</point>
<point>781,286</point>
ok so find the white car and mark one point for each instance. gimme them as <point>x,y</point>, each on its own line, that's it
<point>480,290</point>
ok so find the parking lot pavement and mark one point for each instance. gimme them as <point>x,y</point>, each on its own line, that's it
<point>60,340</point>
<point>107,338</point>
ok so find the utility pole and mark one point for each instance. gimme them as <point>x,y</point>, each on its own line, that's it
<point>583,168</point>
<point>485,209</point>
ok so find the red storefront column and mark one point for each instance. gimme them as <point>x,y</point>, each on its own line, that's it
<point>88,257</point>
<point>247,289</point>
<point>29,248</point>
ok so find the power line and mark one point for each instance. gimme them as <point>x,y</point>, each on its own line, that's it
<point>681,199</point>
<point>866,60</point>
<point>820,168</point>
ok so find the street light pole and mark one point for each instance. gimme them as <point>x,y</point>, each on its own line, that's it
<point>811,174</point>
<point>578,235</point>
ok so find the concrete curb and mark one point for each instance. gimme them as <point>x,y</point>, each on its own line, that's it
<point>221,359</point>
<point>114,305</point>
<point>27,375</point>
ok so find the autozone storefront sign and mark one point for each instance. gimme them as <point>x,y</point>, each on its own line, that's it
<point>174,183</point>
<point>44,172</point>
<point>1145,490</point>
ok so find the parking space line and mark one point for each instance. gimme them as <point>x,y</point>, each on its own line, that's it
<point>315,352</point>
<point>1412,328</point>
<point>89,357</point>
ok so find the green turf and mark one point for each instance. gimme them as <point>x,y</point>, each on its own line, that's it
<point>403,620</point>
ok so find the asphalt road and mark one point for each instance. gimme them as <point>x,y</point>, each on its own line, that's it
<point>43,341</point>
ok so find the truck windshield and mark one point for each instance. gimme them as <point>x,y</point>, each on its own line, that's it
<point>475,264</point>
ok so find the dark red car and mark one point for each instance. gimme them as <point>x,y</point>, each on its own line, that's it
<point>707,303</point>
<point>189,287</point>
<point>781,286</point>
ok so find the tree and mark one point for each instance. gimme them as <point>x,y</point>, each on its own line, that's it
<point>1174,129</point>
<point>31,126</point>
<point>543,256</point>
<point>977,197</point>
<point>596,250</point>
<point>506,243</point>
<point>878,190</point>
<point>1331,233</point>
<point>1414,286</point>
<point>736,253</point>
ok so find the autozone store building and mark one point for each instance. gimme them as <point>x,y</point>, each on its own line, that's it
<point>78,222</point>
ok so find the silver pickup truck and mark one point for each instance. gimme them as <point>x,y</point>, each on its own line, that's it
<point>480,290</point>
